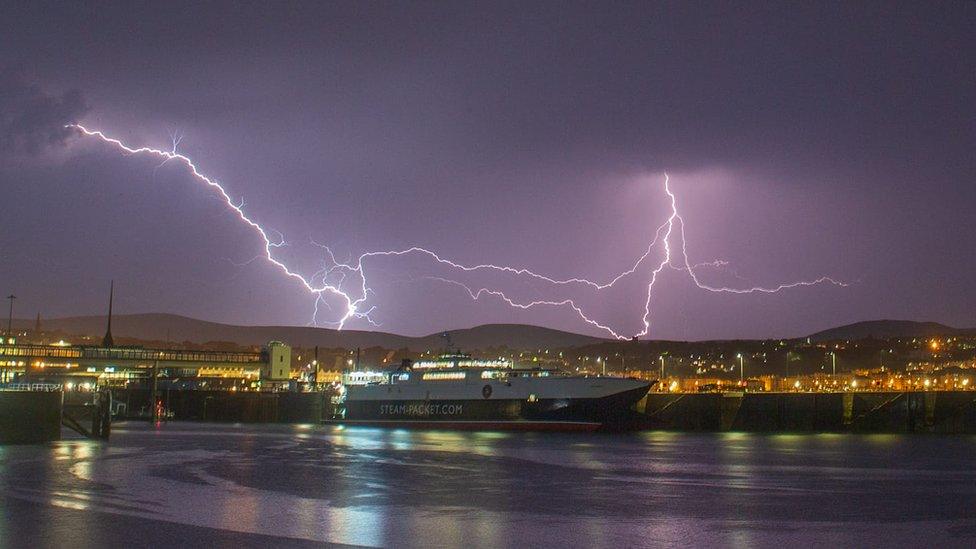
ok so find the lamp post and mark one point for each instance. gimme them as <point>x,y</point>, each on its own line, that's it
<point>10,314</point>
<point>154,392</point>
<point>881,359</point>
<point>662,366</point>
<point>833,363</point>
<point>741,375</point>
<point>315,362</point>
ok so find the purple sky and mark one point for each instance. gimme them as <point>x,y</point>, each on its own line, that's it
<point>800,142</point>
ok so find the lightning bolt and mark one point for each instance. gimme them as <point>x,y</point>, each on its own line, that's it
<point>352,304</point>
<point>668,228</point>
<point>334,273</point>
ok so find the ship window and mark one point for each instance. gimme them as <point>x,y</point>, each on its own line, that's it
<point>435,376</point>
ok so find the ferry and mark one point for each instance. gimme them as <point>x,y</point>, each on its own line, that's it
<point>457,392</point>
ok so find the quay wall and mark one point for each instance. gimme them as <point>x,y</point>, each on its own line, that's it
<point>884,412</point>
<point>243,407</point>
<point>30,416</point>
<point>859,412</point>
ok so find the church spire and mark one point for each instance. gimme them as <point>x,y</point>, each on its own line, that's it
<point>107,340</point>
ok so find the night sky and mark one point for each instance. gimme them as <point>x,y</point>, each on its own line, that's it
<point>801,141</point>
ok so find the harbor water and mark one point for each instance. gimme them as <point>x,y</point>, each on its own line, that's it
<point>196,484</point>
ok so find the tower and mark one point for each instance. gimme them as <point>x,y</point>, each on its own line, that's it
<point>107,340</point>
<point>278,362</point>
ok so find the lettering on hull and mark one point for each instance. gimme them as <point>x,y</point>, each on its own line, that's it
<point>421,410</point>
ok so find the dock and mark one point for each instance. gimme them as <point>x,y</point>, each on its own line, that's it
<point>947,412</point>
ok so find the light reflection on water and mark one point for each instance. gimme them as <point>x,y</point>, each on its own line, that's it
<point>383,487</point>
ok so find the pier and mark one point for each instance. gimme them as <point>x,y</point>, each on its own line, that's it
<point>37,412</point>
<point>947,412</point>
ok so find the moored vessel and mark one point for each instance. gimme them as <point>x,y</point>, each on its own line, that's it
<point>458,392</point>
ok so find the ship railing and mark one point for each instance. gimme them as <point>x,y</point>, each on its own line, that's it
<point>35,387</point>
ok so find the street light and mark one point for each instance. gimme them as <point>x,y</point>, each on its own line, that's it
<point>741,375</point>
<point>833,362</point>
<point>662,365</point>
<point>10,315</point>
<point>881,359</point>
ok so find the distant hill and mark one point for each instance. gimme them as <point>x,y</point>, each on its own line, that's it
<point>167,327</point>
<point>175,328</point>
<point>887,328</point>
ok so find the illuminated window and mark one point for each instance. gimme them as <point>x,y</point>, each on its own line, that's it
<point>435,376</point>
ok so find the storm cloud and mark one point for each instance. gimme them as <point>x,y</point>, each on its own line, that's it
<point>801,140</point>
<point>31,120</point>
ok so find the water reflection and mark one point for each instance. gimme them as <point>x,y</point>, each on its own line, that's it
<point>381,487</point>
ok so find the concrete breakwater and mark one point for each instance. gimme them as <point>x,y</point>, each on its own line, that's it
<point>883,412</point>
<point>244,407</point>
<point>30,416</point>
<point>862,412</point>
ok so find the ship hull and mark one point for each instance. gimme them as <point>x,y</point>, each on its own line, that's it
<point>497,413</point>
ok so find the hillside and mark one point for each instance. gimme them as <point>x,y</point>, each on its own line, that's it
<point>887,328</point>
<point>167,327</point>
<point>175,328</point>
